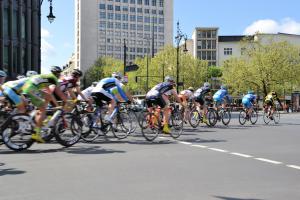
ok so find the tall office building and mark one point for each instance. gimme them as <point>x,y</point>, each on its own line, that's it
<point>103,26</point>
<point>19,36</point>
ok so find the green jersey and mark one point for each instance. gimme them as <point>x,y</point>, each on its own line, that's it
<point>42,81</point>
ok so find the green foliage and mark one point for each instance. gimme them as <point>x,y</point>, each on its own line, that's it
<point>214,71</point>
<point>264,67</point>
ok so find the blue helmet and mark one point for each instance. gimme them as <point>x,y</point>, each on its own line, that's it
<point>250,92</point>
<point>223,87</point>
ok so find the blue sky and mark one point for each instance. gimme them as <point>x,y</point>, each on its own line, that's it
<point>233,17</point>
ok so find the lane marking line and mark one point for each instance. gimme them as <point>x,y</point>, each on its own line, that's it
<point>188,143</point>
<point>199,146</point>
<point>268,161</point>
<point>219,150</point>
<point>294,166</point>
<point>241,155</point>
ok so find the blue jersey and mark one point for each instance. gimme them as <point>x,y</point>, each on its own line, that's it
<point>16,85</point>
<point>220,94</point>
<point>249,98</point>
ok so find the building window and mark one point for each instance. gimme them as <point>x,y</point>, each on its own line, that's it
<point>227,51</point>
<point>118,25</point>
<point>161,20</point>
<point>139,10</point>
<point>147,19</point>
<point>132,1</point>
<point>154,12</point>
<point>153,2</point>
<point>118,0</point>
<point>102,15</point>
<point>110,15</point>
<point>140,2</point>
<point>125,8</point>
<point>132,9</point>
<point>5,22</point>
<point>161,3</point>
<point>161,12</point>
<point>117,8</point>
<point>161,29</point>
<point>125,26</point>
<point>118,17</point>
<point>140,18</point>
<point>23,26</point>
<point>125,17</point>
<point>139,27</point>
<point>110,7</point>
<point>132,27</point>
<point>102,6</point>
<point>5,56</point>
<point>15,23</point>
<point>110,25</point>
<point>102,25</point>
<point>125,1</point>
<point>147,11</point>
<point>146,28</point>
<point>132,18</point>
<point>146,2</point>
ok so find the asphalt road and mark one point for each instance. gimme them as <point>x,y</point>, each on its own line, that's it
<point>251,162</point>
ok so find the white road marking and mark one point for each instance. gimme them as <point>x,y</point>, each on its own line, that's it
<point>219,150</point>
<point>188,143</point>
<point>269,161</point>
<point>294,166</point>
<point>200,146</point>
<point>241,155</point>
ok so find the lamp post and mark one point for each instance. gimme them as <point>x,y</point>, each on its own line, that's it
<point>50,17</point>
<point>178,39</point>
<point>125,52</point>
<point>147,67</point>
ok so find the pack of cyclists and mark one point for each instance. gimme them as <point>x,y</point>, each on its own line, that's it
<point>45,89</point>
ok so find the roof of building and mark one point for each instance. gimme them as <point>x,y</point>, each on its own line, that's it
<point>232,38</point>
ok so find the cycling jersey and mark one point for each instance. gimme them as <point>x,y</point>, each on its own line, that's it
<point>220,95</point>
<point>67,83</point>
<point>12,90</point>
<point>248,100</point>
<point>41,81</point>
<point>86,92</point>
<point>160,89</point>
<point>187,93</point>
<point>16,85</point>
<point>269,99</point>
<point>201,92</point>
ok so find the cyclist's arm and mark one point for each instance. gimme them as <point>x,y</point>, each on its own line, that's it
<point>60,93</point>
<point>174,93</point>
<point>80,93</point>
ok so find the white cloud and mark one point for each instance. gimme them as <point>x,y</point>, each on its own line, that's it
<point>47,49</point>
<point>286,25</point>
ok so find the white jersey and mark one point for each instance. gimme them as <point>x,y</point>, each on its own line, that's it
<point>87,93</point>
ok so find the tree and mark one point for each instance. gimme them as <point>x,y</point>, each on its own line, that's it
<point>263,67</point>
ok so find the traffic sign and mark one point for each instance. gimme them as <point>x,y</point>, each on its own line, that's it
<point>130,68</point>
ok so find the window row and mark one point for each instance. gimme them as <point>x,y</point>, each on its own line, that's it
<point>227,51</point>
<point>103,33</point>
<point>207,55</point>
<point>139,27</point>
<point>145,2</point>
<point>206,44</point>
<point>132,18</point>
<point>131,9</point>
<point>207,34</point>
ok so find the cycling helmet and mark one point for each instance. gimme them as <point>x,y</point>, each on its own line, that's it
<point>117,75</point>
<point>56,69</point>
<point>20,77</point>
<point>191,89</point>
<point>31,73</point>
<point>250,92</point>
<point>206,84</point>
<point>77,72</point>
<point>94,84</point>
<point>3,73</point>
<point>223,87</point>
<point>169,79</point>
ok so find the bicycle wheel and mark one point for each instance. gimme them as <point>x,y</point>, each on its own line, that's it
<point>150,126</point>
<point>176,124</point>
<point>16,132</point>
<point>68,129</point>
<point>226,117</point>
<point>266,118</point>
<point>194,118</point>
<point>134,119</point>
<point>212,117</point>
<point>276,116</point>
<point>90,130</point>
<point>242,117</point>
<point>254,117</point>
<point>122,126</point>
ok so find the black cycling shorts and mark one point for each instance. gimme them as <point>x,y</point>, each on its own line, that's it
<point>153,101</point>
<point>99,97</point>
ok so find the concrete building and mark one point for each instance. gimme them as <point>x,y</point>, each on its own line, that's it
<point>102,26</point>
<point>20,36</point>
<point>208,45</point>
<point>69,66</point>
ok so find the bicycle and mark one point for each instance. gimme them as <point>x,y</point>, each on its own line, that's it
<point>216,114</point>
<point>268,117</point>
<point>152,123</point>
<point>252,117</point>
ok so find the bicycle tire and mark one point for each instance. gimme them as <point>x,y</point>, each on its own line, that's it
<point>150,127</point>
<point>212,117</point>
<point>176,125</point>
<point>123,125</point>
<point>276,117</point>
<point>254,117</point>
<point>242,117</point>
<point>194,118</point>
<point>266,118</point>
<point>226,117</point>
<point>68,129</point>
<point>19,126</point>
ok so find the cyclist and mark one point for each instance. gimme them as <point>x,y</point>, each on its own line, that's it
<point>270,102</point>
<point>200,95</point>
<point>114,91</point>
<point>87,93</point>
<point>185,97</point>
<point>12,91</point>
<point>221,97</point>
<point>3,76</point>
<point>248,101</point>
<point>102,93</point>
<point>67,84</point>
<point>39,90</point>
<point>159,95</point>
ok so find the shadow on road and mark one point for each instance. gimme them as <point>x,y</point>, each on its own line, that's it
<point>232,198</point>
<point>91,150</point>
<point>199,140</point>
<point>10,171</point>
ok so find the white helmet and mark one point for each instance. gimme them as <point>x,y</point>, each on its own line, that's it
<point>31,73</point>
<point>20,77</point>
<point>3,73</point>
<point>117,75</point>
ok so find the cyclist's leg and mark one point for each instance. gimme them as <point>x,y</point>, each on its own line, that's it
<point>14,98</point>
<point>164,103</point>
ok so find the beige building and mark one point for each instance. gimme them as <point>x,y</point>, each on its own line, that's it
<point>102,26</point>
<point>69,66</point>
<point>208,45</point>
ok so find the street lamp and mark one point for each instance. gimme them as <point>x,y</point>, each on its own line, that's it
<point>147,69</point>
<point>178,39</point>
<point>50,17</point>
